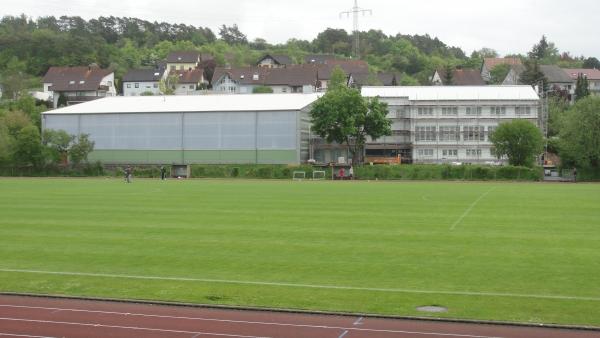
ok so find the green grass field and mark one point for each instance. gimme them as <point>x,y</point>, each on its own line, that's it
<point>495,251</point>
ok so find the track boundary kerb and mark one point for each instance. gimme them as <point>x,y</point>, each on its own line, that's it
<point>303,311</point>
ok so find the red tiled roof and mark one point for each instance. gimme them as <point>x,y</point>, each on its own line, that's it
<point>490,63</point>
<point>292,75</point>
<point>189,76</point>
<point>349,67</point>
<point>75,78</point>
<point>463,77</point>
<point>183,57</point>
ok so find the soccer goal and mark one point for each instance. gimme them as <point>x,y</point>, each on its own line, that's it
<point>318,175</point>
<point>299,175</point>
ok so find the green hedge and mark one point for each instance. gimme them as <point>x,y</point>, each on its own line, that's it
<point>367,172</point>
<point>448,172</point>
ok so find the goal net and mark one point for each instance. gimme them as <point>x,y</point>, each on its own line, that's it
<point>318,175</point>
<point>298,175</point>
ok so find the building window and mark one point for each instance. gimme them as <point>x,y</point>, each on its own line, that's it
<point>425,152</point>
<point>426,133</point>
<point>129,85</point>
<point>493,152</point>
<point>110,83</point>
<point>450,152</point>
<point>284,89</point>
<point>449,111</point>
<point>137,85</point>
<point>495,110</point>
<point>449,133</point>
<point>474,152</point>
<point>191,86</point>
<point>425,111</point>
<point>473,111</point>
<point>402,112</point>
<point>523,111</point>
<point>473,133</point>
<point>156,85</point>
<point>173,67</point>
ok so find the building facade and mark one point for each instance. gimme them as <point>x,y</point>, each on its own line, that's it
<point>78,84</point>
<point>268,128</point>
<point>143,81</point>
<point>449,124</point>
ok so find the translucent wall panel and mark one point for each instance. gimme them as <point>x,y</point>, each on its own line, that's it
<point>206,131</point>
<point>134,131</point>
<point>68,123</point>
<point>277,130</point>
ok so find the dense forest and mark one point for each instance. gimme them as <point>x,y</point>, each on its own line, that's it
<point>28,47</point>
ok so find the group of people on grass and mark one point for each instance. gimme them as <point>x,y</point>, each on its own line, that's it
<point>129,174</point>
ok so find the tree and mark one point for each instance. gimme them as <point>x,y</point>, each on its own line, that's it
<point>28,148</point>
<point>486,53</point>
<point>591,62</point>
<point>499,73</point>
<point>343,116</point>
<point>448,76</point>
<point>582,87</point>
<point>167,86</point>
<point>58,143</point>
<point>5,143</point>
<point>80,149</point>
<point>338,79</point>
<point>544,50</point>
<point>520,140</point>
<point>232,35</point>
<point>262,90</point>
<point>579,135</point>
<point>532,75</point>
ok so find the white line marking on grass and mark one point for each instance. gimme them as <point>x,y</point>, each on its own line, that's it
<point>310,286</point>
<point>358,321</point>
<point>343,334</point>
<point>124,327</point>
<point>471,208</point>
<point>261,323</point>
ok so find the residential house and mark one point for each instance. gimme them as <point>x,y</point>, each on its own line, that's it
<point>138,81</point>
<point>274,61</point>
<point>491,63</point>
<point>79,84</point>
<point>557,78</point>
<point>352,68</point>
<point>460,77</point>
<point>240,80</point>
<point>592,75</point>
<point>183,60</point>
<point>188,81</point>
<point>292,79</point>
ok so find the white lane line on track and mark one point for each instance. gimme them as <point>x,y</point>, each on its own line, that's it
<point>124,327</point>
<point>471,208</point>
<point>358,321</point>
<point>309,286</point>
<point>343,334</point>
<point>251,322</point>
<point>23,335</point>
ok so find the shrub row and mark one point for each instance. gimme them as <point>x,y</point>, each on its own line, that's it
<point>377,172</point>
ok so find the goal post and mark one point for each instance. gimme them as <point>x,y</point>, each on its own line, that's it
<point>318,175</point>
<point>298,175</point>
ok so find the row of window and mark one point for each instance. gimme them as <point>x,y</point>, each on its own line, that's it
<point>452,152</point>
<point>452,133</point>
<point>472,110</point>
<point>137,85</point>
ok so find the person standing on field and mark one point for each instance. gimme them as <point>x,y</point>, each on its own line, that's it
<point>163,173</point>
<point>351,172</point>
<point>128,174</point>
<point>574,174</point>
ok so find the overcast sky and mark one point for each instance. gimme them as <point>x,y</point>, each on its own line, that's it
<point>508,26</point>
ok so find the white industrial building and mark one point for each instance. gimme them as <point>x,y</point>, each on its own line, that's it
<point>260,128</point>
<point>445,124</point>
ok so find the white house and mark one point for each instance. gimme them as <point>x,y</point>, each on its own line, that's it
<point>79,84</point>
<point>138,81</point>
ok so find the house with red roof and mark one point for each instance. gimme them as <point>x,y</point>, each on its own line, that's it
<point>79,84</point>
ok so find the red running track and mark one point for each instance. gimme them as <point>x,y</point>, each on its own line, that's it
<point>56,317</point>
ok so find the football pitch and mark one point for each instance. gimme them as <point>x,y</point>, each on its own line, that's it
<point>525,252</point>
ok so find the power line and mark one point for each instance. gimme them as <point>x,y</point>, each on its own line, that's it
<point>355,11</point>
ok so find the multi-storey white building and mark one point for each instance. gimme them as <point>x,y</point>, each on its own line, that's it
<point>449,124</point>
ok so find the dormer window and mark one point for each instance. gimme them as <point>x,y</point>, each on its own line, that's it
<point>255,77</point>
<point>242,76</point>
<point>81,82</point>
<point>156,74</point>
<point>71,82</point>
